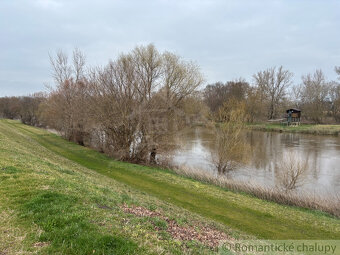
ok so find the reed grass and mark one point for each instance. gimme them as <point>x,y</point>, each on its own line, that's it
<point>330,205</point>
<point>312,129</point>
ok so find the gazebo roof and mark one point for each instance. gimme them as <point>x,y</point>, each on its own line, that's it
<point>293,110</point>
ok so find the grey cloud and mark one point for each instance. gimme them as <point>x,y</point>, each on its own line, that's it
<point>228,39</point>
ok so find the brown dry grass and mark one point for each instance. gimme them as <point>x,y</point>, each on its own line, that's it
<point>10,237</point>
<point>204,234</point>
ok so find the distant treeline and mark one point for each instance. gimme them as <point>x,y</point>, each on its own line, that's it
<point>132,107</point>
<point>25,108</point>
<point>272,92</point>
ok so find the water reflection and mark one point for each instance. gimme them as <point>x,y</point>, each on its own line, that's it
<point>266,149</point>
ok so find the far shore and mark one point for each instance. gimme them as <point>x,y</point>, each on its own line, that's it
<point>314,129</point>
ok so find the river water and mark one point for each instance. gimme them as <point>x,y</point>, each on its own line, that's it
<point>197,145</point>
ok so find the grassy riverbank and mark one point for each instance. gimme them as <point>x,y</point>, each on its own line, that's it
<point>58,197</point>
<point>303,128</point>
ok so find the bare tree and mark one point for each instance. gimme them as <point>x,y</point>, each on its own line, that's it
<point>180,78</point>
<point>195,108</point>
<point>255,107</point>
<point>78,68</point>
<point>273,84</point>
<point>337,70</point>
<point>238,89</point>
<point>65,108</point>
<point>114,98</point>
<point>29,109</point>
<point>291,171</point>
<point>231,147</point>
<point>133,106</point>
<point>314,94</point>
<point>62,71</point>
<point>10,107</point>
<point>215,95</point>
<point>334,95</point>
<point>137,101</point>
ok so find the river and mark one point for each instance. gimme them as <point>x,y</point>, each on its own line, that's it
<point>197,145</point>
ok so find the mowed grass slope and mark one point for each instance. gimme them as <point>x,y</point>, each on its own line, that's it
<point>58,196</point>
<point>52,205</point>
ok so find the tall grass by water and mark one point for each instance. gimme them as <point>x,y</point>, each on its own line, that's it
<point>303,128</point>
<point>330,205</point>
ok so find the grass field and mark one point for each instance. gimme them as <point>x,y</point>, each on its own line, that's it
<point>60,198</point>
<point>303,128</point>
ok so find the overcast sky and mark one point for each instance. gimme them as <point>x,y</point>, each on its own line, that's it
<point>228,39</point>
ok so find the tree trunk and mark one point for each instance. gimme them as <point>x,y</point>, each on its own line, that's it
<point>153,156</point>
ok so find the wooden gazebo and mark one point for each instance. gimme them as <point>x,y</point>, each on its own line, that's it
<point>293,117</point>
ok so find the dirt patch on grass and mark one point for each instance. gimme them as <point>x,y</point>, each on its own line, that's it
<point>140,211</point>
<point>204,234</point>
<point>40,244</point>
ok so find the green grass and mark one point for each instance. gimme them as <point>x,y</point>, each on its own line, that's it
<point>303,128</point>
<point>67,197</point>
<point>51,205</point>
<point>58,217</point>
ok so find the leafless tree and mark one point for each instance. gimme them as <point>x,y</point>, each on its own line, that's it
<point>255,107</point>
<point>215,95</point>
<point>314,95</point>
<point>231,148</point>
<point>180,78</point>
<point>337,70</point>
<point>61,69</point>
<point>195,109</point>
<point>291,171</point>
<point>137,99</point>
<point>65,109</point>
<point>335,97</point>
<point>273,83</point>
<point>10,107</point>
<point>29,108</point>
<point>24,108</point>
<point>79,61</point>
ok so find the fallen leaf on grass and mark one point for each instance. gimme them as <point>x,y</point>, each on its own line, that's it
<point>206,235</point>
